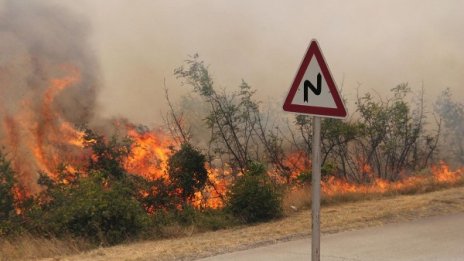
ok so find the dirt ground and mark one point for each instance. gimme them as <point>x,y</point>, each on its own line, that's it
<point>347,216</point>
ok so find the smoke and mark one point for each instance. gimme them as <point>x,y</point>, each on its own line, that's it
<point>47,82</point>
<point>138,44</point>
<point>377,44</point>
<point>38,42</point>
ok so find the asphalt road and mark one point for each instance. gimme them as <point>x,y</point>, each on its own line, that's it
<point>436,238</point>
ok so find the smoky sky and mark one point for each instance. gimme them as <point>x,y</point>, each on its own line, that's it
<point>370,45</point>
<point>39,42</point>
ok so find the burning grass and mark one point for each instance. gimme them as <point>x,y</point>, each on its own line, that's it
<point>336,191</point>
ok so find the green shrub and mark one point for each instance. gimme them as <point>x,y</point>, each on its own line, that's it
<point>203,219</point>
<point>153,195</point>
<point>105,214</point>
<point>187,172</point>
<point>253,197</point>
<point>10,222</point>
<point>190,219</point>
<point>7,183</point>
<point>214,219</point>
<point>107,155</point>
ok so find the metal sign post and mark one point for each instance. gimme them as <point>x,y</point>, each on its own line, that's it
<point>314,92</point>
<point>316,190</point>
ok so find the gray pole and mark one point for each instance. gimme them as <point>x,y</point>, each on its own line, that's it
<point>316,190</point>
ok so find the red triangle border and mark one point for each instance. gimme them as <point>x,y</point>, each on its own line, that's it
<point>339,111</point>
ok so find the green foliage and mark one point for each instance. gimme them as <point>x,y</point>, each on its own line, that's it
<point>336,135</point>
<point>253,197</point>
<point>9,220</point>
<point>214,219</point>
<point>392,133</point>
<point>233,118</point>
<point>386,137</point>
<point>197,75</point>
<point>7,183</point>
<point>107,156</point>
<point>187,172</point>
<point>90,207</point>
<point>101,204</point>
<point>107,159</point>
<point>256,169</point>
<point>154,195</point>
<point>176,222</point>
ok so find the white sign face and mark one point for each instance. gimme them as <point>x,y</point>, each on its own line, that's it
<point>313,90</point>
<point>311,94</point>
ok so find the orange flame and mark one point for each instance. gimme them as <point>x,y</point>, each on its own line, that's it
<point>53,141</point>
<point>297,161</point>
<point>55,134</point>
<point>150,153</point>
<point>39,138</point>
<point>441,174</point>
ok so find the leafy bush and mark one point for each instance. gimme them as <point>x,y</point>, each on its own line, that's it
<point>157,194</point>
<point>175,222</point>
<point>107,155</point>
<point>253,197</point>
<point>91,208</point>
<point>9,220</point>
<point>186,169</point>
<point>7,182</point>
<point>214,219</point>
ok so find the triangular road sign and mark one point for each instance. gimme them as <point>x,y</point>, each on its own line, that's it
<point>314,91</point>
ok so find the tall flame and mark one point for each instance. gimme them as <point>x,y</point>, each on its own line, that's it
<point>40,138</point>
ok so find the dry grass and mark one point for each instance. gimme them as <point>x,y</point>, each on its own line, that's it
<point>300,197</point>
<point>296,199</point>
<point>353,215</point>
<point>32,247</point>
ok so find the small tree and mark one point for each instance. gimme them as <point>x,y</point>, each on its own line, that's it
<point>393,132</point>
<point>186,169</point>
<point>253,197</point>
<point>240,132</point>
<point>107,156</point>
<point>232,117</point>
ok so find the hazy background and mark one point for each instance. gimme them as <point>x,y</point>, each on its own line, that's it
<point>375,44</point>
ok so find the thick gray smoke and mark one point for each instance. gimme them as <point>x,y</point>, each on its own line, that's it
<point>47,83</point>
<point>40,42</point>
<point>372,44</point>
